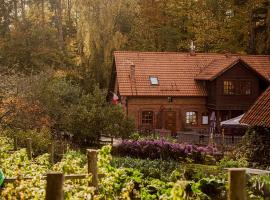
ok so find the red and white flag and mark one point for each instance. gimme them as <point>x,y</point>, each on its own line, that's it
<point>115,99</point>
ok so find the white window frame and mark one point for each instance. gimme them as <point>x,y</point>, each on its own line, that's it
<point>154,80</point>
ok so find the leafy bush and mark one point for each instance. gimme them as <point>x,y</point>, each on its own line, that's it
<point>159,149</point>
<point>158,169</point>
<point>255,146</point>
<point>227,162</point>
<point>143,185</point>
<point>22,114</point>
<point>40,139</point>
<point>18,165</point>
<point>195,172</point>
<point>93,116</point>
<point>210,188</point>
<point>259,186</point>
<point>84,115</point>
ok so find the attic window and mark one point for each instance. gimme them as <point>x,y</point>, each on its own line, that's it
<point>153,80</point>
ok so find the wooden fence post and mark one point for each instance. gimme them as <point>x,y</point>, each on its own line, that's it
<point>92,166</point>
<point>51,152</point>
<point>15,143</point>
<point>29,148</point>
<point>54,188</point>
<point>111,140</point>
<point>237,184</point>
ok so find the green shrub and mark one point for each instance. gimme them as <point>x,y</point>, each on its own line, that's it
<point>158,169</point>
<point>259,186</point>
<point>17,164</point>
<point>196,172</point>
<point>40,139</point>
<point>255,146</point>
<point>227,162</point>
<point>135,136</point>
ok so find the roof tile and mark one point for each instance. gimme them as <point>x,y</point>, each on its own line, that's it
<point>259,113</point>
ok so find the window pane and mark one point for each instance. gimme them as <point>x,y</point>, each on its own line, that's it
<point>154,80</point>
<point>228,87</point>
<point>147,117</point>
<point>237,87</point>
<point>191,118</point>
<point>245,87</point>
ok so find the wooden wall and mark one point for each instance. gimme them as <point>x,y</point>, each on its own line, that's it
<point>179,105</point>
<point>218,101</point>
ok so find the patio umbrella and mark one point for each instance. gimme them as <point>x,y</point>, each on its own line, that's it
<point>213,122</point>
<point>233,122</point>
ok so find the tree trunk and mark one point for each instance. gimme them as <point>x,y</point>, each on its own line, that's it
<point>43,11</point>
<point>15,11</point>
<point>6,19</point>
<point>252,34</point>
<point>23,10</point>
<point>60,25</point>
<point>69,12</point>
<point>268,33</point>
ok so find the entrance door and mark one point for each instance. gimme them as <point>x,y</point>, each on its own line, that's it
<point>170,121</point>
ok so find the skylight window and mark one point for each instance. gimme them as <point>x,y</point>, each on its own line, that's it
<point>153,80</point>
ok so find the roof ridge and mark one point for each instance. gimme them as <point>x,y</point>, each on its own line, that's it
<point>235,59</point>
<point>169,52</point>
<point>197,53</point>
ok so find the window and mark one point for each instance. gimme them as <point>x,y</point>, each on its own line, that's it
<point>237,87</point>
<point>153,80</point>
<point>147,117</point>
<point>245,87</point>
<point>228,87</point>
<point>191,118</point>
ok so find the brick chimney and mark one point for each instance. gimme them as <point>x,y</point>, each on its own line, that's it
<point>228,54</point>
<point>132,71</point>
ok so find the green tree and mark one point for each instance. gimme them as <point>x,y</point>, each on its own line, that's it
<point>102,28</point>
<point>93,116</point>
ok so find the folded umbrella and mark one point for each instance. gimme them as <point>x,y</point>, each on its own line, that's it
<point>2,177</point>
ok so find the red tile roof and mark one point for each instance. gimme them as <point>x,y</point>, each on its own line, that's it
<point>259,113</point>
<point>219,66</point>
<point>176,72</point>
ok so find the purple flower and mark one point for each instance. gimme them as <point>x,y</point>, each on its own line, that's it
<point>156,149</point>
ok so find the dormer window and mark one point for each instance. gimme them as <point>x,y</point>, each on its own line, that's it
<point>153,80</point>
<point>237,87</point>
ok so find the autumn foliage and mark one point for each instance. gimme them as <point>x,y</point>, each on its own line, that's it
<point>21,114</point>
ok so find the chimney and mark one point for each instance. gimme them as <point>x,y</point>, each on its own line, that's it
<point>192,49</point>
<point>228,54</point>
<point>132,71</point>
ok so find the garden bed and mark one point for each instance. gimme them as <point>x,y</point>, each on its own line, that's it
<point>161,149</point>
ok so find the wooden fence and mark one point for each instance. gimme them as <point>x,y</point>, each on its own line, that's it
<point>55,180</point>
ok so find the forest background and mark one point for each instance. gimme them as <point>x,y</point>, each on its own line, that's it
<point>56,55</point>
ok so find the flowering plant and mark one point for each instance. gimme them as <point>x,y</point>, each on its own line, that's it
<point>160,149</point>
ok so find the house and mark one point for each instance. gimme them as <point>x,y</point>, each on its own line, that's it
<point>180,91</point>
<point>259,113</point>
